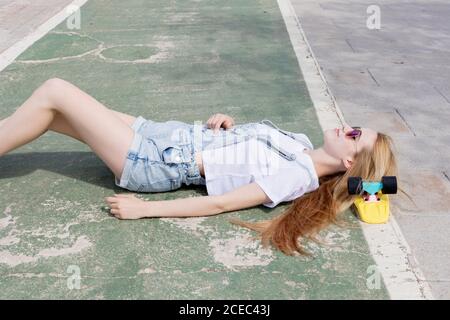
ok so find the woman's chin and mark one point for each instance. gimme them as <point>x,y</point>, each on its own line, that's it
<point>330,136</point>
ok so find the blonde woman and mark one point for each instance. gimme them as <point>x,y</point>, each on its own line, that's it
<point>241,166</point>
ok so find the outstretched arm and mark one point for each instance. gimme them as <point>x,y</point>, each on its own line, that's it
<point>127,206</point>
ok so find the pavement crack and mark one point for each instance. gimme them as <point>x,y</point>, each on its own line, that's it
<point>350,45</point>
<point>441,94</point>
<point>406,122</point>
<point>373,78</point>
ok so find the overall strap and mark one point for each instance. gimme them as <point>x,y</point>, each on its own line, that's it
<point>197,133</point>
<point>287,133</point>
<point>288,156</point>
<point>271,124</point>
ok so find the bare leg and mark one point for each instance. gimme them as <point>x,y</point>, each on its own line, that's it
<point>60,124</point>
<point>86,120</point>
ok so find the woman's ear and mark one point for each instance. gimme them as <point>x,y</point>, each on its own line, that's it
<point>348,162</point>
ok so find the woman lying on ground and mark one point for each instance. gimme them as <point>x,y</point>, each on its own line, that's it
<point>241,165</point>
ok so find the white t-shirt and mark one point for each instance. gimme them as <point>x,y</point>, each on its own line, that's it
<point>229,167</point>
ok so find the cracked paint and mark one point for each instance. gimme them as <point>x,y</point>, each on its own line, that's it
<point>59,46</point>
<point>113,54</point>
<point>12,260</point>
<point>129,53</point>
<point>239,250</point>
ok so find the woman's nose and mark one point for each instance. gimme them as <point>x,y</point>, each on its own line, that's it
<point>346,128</point>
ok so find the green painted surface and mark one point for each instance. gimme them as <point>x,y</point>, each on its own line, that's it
<point>130,53</point>
<point>182,60</point>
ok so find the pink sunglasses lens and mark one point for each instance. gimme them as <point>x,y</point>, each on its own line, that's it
<point>354,133</point>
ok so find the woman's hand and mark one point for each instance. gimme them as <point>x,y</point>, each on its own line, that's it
<point>127,206</point>
<point>220,120</point>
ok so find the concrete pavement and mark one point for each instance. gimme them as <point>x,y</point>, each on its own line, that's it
<point>396,80</point>
<point>18,18</point>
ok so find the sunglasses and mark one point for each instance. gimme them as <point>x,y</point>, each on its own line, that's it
<point>355,133</point>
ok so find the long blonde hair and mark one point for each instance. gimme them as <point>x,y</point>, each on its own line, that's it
<point>312,212</point>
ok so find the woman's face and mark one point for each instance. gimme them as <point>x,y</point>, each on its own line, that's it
<point>343,147</point>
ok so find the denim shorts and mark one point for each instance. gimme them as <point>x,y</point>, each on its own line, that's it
<point>160,158</point>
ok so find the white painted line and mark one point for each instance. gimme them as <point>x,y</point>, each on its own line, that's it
<point>391,252</point>
<point>403,278</point>
<point>10,54</point>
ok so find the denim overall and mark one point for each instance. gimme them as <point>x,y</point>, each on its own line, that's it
<point>204,139</point>
<point>161,157</point>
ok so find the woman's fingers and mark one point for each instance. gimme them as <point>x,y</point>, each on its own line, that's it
<point>124,195</point>
<point>217,125</point>
<point>127,208</point>
<point>117,197</point>
<point>218,120</point>
<point>210,120</point>
<point>228,123</point>
<point>111,199</point>
<point>214,121</point>
<point>114,205</point>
